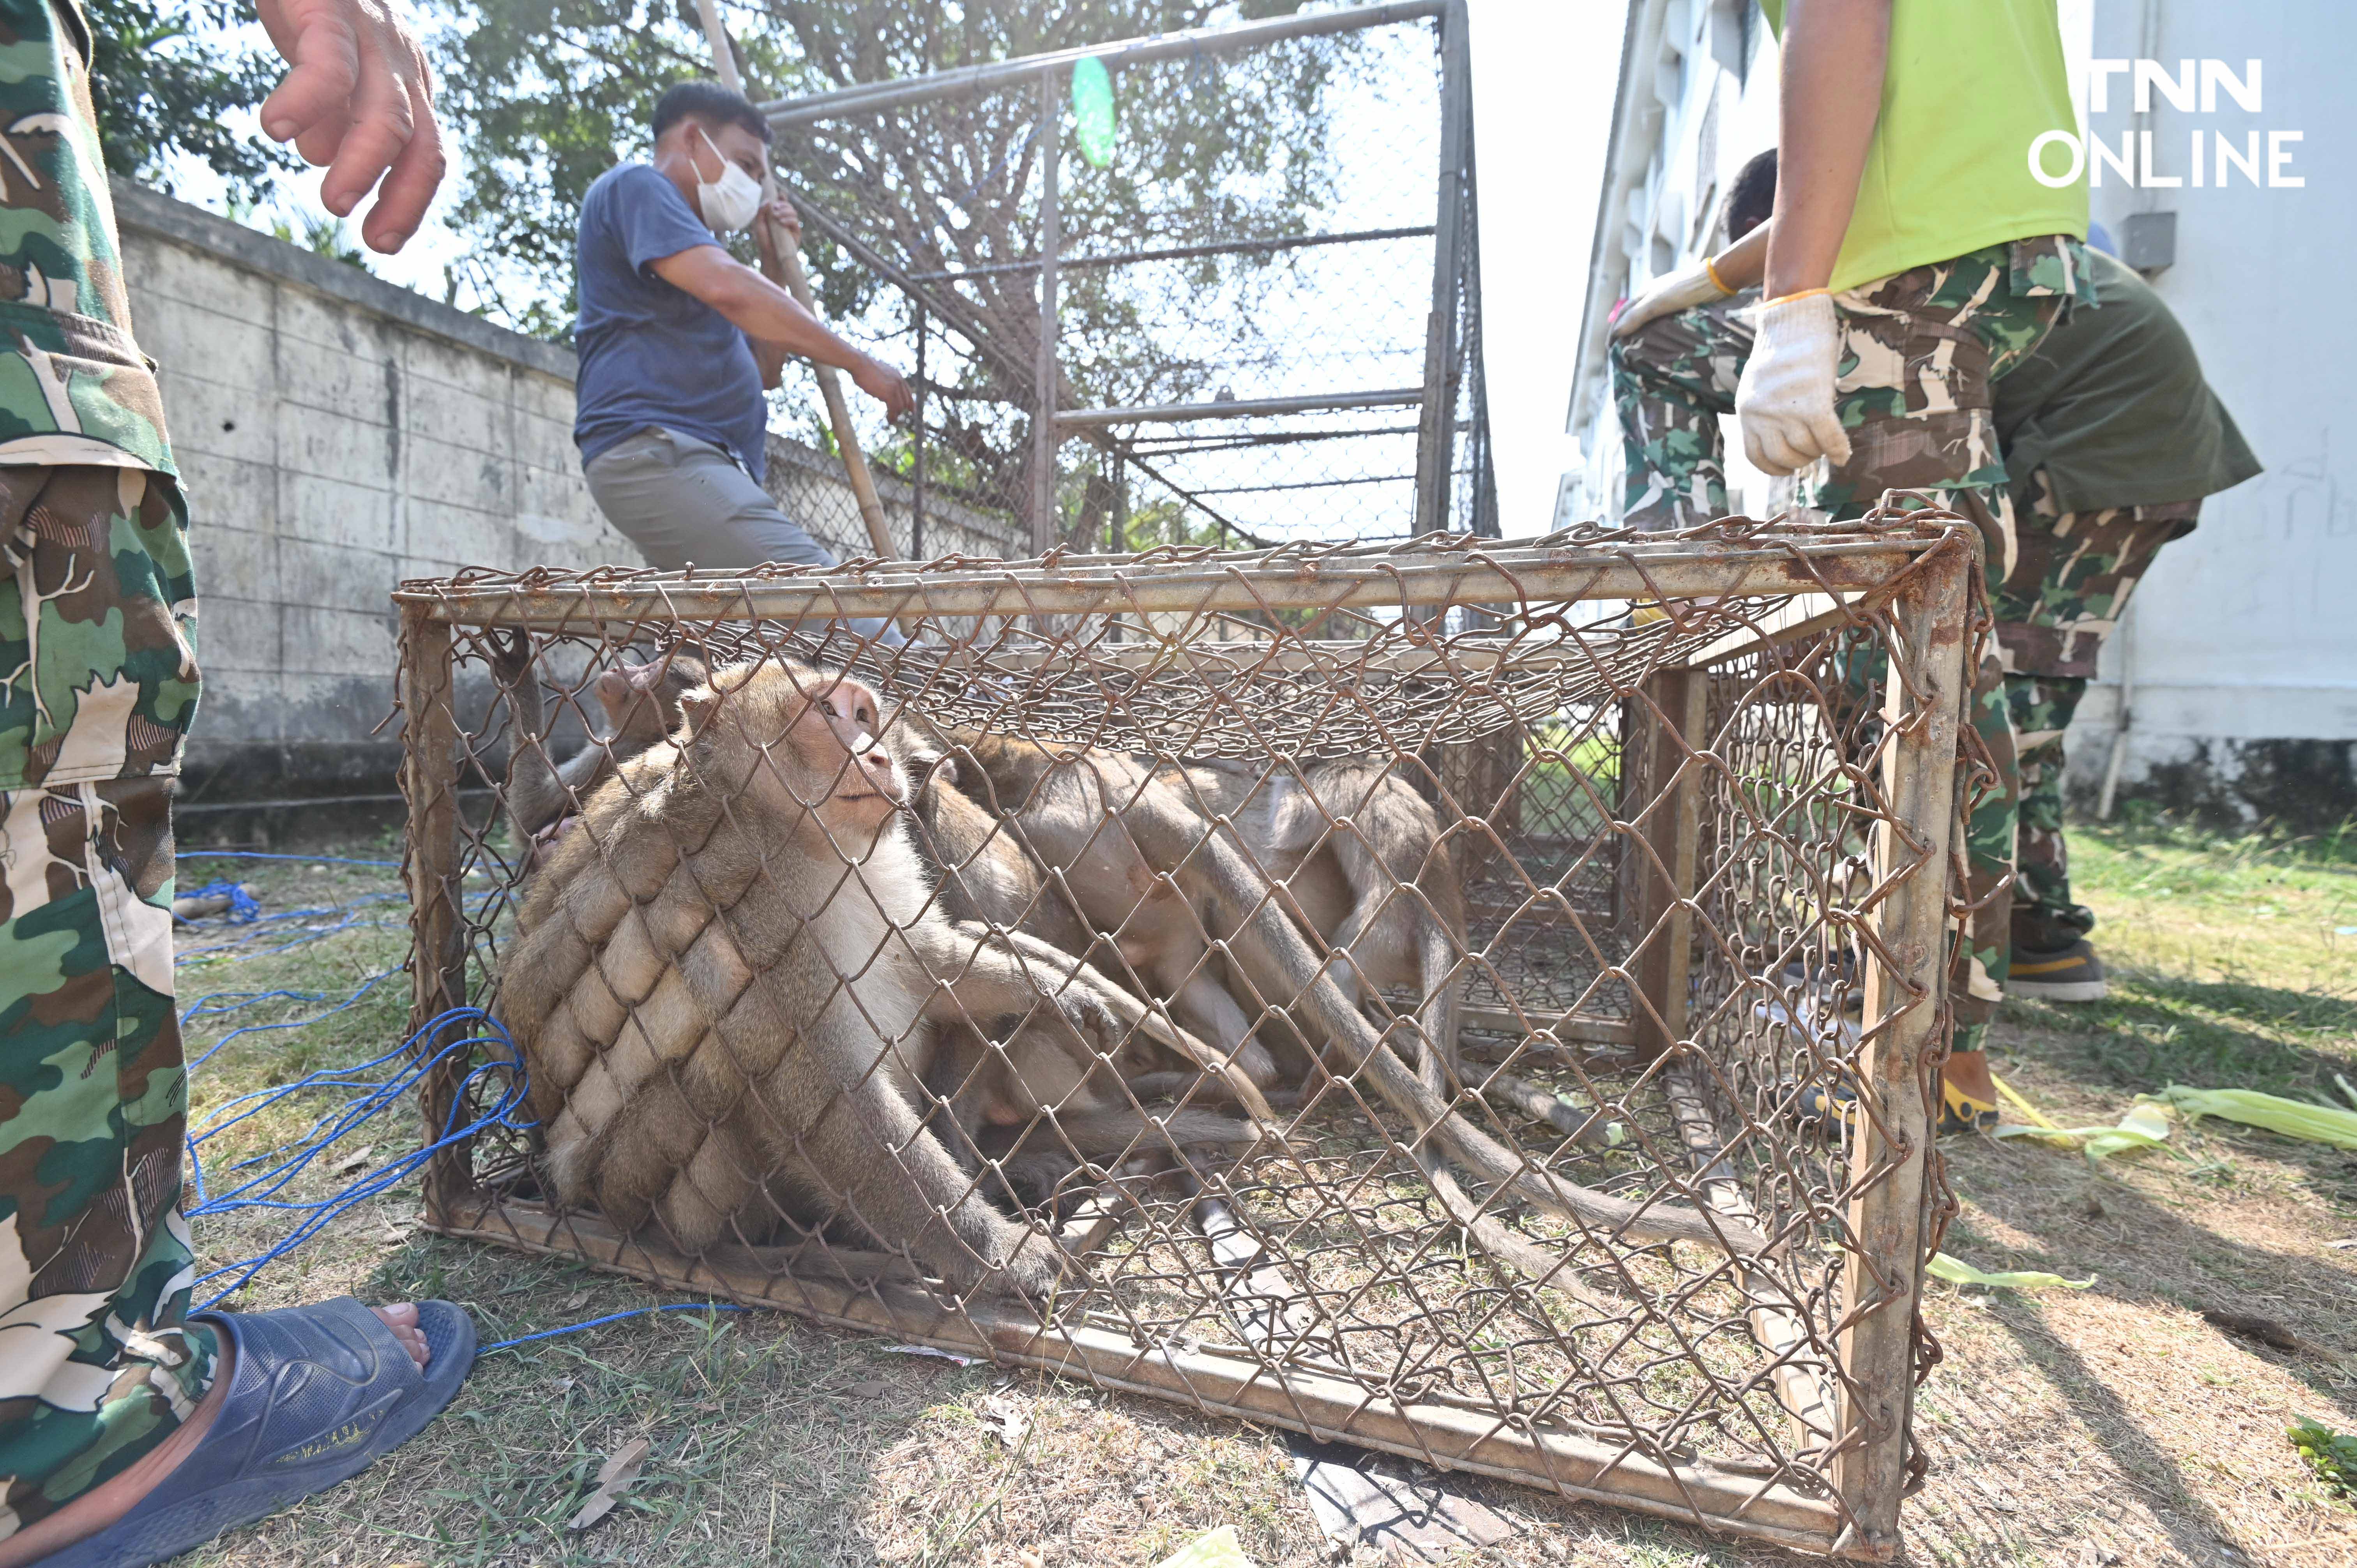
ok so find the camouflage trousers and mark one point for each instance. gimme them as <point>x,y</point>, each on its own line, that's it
<point>2072,581</point>
<point>96,618</point>
<point>1920,351</point>
<point>1917,355</point>
<point>1671,379</point>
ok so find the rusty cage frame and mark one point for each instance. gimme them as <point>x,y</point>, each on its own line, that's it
<point>1722,638</point>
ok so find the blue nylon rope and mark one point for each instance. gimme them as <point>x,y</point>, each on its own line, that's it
<point>609,1317</point>
<point>242,908</point>
<point>364,1098</point>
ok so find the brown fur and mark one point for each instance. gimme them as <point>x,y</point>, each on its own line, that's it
<point>1069,799</point>
<point>1086,815</point>
<point>728,979</point>
<point>986,880</point>
<point>641,707</point>
<point>1360,858</point>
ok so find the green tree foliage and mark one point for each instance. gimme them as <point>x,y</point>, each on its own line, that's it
<point>162,80</point>
<point>548,94</point>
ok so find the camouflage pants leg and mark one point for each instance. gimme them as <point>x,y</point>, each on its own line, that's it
<point>1917,355</point>
<point>2041,706</point>
<point>96,607</point>
<point>1672,379</point>
<point>2072,580</point>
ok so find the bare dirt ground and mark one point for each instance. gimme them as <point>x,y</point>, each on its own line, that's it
<point>2115,1425</point>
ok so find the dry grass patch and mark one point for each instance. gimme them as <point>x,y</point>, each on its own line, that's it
<point>2116,1425</point>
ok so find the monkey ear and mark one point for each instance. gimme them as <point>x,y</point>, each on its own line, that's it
<point>925,768</point>
<point>697,706</point>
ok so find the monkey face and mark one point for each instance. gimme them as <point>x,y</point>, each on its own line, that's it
<point>641,700</point>
<point>840,727</point>
<point>802,740</point>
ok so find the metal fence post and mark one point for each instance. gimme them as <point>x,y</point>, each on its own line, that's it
<point>438,959</point>
<point>917,444</point>
<point>1435,436</point>
<point>1883,1276</point>
<point>1046,534</point>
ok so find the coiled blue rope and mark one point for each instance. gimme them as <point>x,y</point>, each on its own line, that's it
<point>242,908</point>
<point>366,1098</point>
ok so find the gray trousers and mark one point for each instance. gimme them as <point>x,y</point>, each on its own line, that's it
<point>684,501</point>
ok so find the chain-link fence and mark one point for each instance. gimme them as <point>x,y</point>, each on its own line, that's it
<point>1513,1046</point>
<point>1264,288</point>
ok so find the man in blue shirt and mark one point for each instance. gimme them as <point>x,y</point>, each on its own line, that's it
<point>678,339</point>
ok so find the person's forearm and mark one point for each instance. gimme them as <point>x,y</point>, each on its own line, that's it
<point>772,359</point>
<point>777,323</point>
<point>1835,52</point>
<point>1743,263</point>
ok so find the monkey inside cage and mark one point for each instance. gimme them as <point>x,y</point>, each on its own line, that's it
<point>1476,1001</point>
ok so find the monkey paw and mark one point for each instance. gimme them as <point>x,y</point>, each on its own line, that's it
<point>1037,1268</point>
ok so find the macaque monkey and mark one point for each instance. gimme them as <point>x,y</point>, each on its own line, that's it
<point>986,880</point>
<point>1074,819</point>
<point>1070,800</point>
<point>728,978</point>
<point>641,708</point>
<point>1357,857</point>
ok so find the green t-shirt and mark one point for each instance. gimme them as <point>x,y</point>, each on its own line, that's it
<point>2112,406</point>
<point>1971,83</point>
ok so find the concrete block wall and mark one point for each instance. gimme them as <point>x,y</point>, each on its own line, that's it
<point>337,435</point>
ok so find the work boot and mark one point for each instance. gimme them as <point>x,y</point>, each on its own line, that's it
<point>2073,974</point>
<point>2052,961</point>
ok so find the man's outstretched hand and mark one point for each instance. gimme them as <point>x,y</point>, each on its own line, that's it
<point>882,382</point>
<point>359,99</point>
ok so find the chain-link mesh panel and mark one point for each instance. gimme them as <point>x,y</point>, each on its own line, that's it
<point>1265,299</point>
<point>1480,1002</point>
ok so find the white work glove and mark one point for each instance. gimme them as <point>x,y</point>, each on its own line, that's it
<point>1668,294</point>
<point>1785,400</point>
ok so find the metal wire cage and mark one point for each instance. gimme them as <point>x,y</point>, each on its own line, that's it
<point>1676,809</point>
<point>1253,317</point>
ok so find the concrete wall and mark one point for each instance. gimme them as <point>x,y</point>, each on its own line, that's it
<point>338,434</point>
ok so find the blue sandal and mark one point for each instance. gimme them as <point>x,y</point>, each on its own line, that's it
<point>318,1392</point>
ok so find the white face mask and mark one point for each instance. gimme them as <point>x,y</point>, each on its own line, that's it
<point>730,201</point>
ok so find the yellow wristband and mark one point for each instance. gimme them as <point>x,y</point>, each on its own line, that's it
<point>1796,293</point>
<point>1710,269</point>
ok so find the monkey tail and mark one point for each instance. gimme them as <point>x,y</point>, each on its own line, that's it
<point>1101,1134</point>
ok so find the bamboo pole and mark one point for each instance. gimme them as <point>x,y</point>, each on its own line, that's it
<point>783,265</point>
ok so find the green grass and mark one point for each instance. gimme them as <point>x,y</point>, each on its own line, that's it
<point>2234,961</point>
<point>777,1441</point>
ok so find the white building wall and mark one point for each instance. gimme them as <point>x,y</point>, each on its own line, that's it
<point>2241,650</point>
<point>2247,630</point>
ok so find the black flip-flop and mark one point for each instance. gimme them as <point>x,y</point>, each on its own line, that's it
<point>318,1392</point>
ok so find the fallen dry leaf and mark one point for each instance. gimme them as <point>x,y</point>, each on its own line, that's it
<point>573,1303</point>
<point>614,1479</point>
<point>869,1388</point>
<point>352,1161</point>
<point>1002,1417</point>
